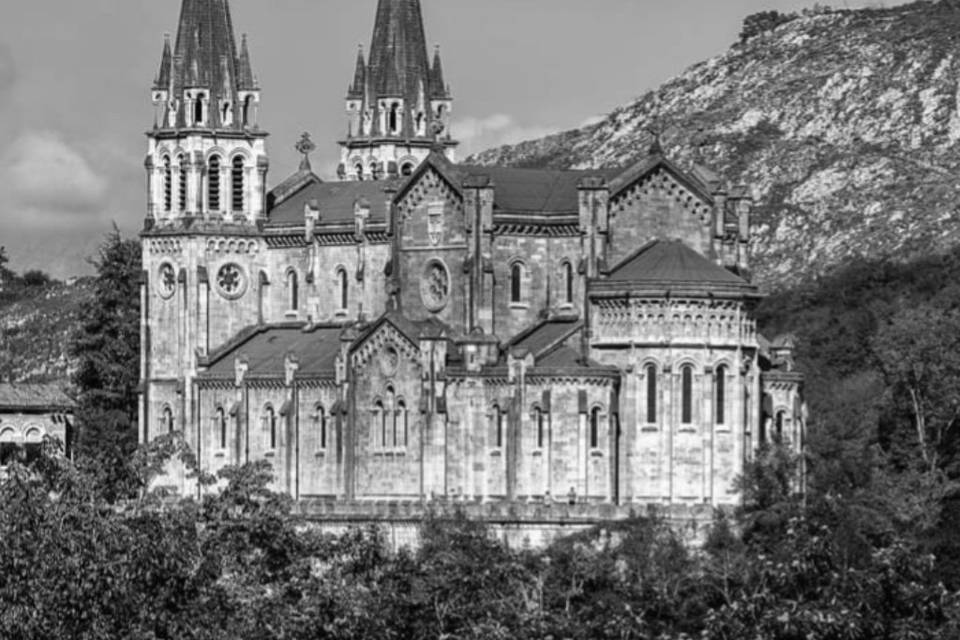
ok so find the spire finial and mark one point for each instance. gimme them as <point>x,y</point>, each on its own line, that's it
<point>305,146</point>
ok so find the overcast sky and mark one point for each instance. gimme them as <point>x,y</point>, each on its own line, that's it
<point>75,77</point>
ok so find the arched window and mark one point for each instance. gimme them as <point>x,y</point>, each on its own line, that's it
<point>394,117</point>
<point>721,393</point>
<point>391,437</point>
<point>167,421</point>
<point>402,422</point>
<point>221,425</point>
<point>344,291</point>
<point>778,426</point>
<point>420,120</point>
<point>516,282</point>
<point>380,416</point>
<point>497,426</point>
<point>182,186</point>
<point>293,285</point>
<point>686,395</point>
<point>213,184</point>
<point>247,110</point>
<point>541,426</point>
<point>270,426</point>
<point>8,446</point>
<point>359,169</point>
<point>595,428</point>
<point>198,111</point>
<point>167,184</point>
<point>406,169</point>
<point>568,282</point>
<point>236,180</point>
<point>225,114</point>
<point>33,444</point>
<point>321,426</point>
<point>651,375</point>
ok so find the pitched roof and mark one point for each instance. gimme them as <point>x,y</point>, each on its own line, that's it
<point>625,178</point>
<point>36,397</point>
<point>267,347</point>
<point>335,200</point>
<point>534,191</point>
<point>673,264</point>
<point>541,338</point>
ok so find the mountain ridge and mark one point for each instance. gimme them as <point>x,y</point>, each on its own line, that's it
<point>845,125</point>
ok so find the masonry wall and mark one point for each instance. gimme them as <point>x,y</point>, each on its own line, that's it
<point>658,207</point>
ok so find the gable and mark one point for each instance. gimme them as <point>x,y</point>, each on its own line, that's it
<point>660,176</point>
<point>384,334</point>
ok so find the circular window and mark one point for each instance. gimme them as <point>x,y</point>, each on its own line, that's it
<point>168,280</point>
<point>435,286</point>
<point>231,281</point>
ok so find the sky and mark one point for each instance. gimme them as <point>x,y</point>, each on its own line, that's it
<point>75,79</point>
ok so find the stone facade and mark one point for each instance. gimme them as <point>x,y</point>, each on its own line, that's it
<point>475,335</point>
<point>30,413</point>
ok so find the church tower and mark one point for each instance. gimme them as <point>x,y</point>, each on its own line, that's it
<point>398,104</point>
<point>203,250</point>
<point>207,156</point>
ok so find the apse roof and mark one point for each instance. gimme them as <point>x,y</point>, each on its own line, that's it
<point>667,263</point>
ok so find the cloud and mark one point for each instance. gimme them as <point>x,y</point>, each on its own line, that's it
<point>478,134</point>
<point>47,178</point>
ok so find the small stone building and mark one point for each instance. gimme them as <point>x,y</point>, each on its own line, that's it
<point>28,414</point>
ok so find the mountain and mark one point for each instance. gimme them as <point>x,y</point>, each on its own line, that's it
<point>844,123</point>
<point>35,328</point>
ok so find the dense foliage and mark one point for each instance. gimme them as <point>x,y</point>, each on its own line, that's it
<point>240,564</point>
<point>106,347</point>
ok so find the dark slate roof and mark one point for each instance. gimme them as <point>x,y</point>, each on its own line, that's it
<point>205,56</point>
<point>266,349</point>
<point>541,338</point>
<point>335,200</point>
<point>33,397</point>
<point>673,264</point>
<point>534,191</point>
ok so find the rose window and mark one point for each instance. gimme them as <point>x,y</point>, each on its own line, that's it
<point>231,281</point>
<point>435,286</point>
<point>168,280</point>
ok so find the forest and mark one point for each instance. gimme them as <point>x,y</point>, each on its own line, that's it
<point>869,551</point>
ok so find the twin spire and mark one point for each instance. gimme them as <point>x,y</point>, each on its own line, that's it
<point>204,81</point>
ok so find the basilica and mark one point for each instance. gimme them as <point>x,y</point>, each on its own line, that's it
<point>532,344</point>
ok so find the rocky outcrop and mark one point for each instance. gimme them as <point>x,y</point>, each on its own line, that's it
<point>844,124</point>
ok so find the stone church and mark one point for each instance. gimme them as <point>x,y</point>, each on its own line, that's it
<point>537,344</point>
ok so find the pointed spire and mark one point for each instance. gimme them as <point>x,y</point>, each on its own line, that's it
<point>438,87</point>
<point>245,79</point>
<point>358,88</point>
<point>398,53</point>
<point>165,75</point>
<point>205,58</point>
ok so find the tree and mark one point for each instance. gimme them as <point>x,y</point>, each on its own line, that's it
<point>107,349</point>
<point>918,350</point>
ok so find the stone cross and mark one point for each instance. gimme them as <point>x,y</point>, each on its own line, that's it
<point>305,146</point>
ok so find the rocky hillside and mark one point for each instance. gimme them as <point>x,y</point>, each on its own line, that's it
<point>846,125</point>
<point>35,327</point>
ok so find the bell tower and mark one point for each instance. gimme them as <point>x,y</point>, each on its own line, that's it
<point>398,105</point>
<point>206,154</point>
<point>206,201</point>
